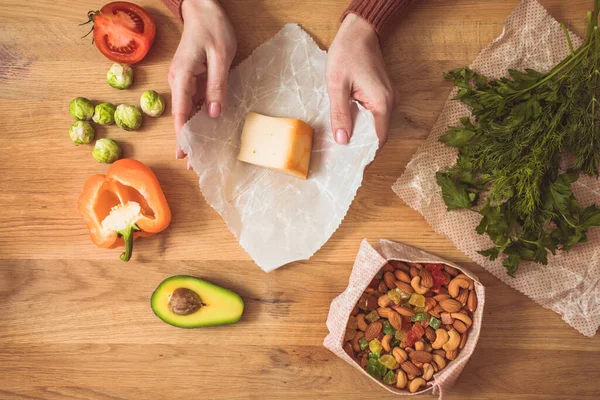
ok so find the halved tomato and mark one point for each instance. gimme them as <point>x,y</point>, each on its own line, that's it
<point>123,32</point>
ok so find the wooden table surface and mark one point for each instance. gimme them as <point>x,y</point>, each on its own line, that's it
<point>76,322</point>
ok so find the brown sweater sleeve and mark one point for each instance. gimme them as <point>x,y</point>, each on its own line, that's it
<point>378,13</point>
<point>175,7</point>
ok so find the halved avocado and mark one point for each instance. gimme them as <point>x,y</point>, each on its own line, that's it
<point>189,302</point>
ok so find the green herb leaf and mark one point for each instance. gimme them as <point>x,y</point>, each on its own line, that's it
<point>455,195</point>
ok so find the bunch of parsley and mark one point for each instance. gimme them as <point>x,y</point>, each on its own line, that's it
<point>509,161</point>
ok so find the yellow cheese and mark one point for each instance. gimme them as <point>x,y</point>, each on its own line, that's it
<point>280,144</point>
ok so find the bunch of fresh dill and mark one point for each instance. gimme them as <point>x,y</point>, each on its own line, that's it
<point>508,166</point>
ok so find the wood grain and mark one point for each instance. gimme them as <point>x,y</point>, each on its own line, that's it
<point>76,322</point>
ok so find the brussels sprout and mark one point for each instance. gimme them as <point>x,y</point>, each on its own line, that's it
<point>152,103</point>
<point>106,151</point>
<point>128,117</point>
<point>81,132</point>
<point>120,76</point>
<point>104,114</point>
<point>81,109</point>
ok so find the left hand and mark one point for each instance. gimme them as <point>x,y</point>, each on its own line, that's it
<point>356,70</point>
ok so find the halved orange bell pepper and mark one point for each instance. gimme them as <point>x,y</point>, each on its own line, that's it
<point>123,205</point>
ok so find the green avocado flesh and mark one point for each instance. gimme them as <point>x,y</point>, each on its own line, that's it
<point>188,302</point>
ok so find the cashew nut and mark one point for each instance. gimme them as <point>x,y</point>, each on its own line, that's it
<point>415,384</point>
<point>453,341</point>
<point>455,285</point>
<point>439,361</point>
<point>462,317</point>
<point>402,381</point>
<point>360,322</point>
<point>385,343</point>
<point>355,344</point>
<point>427,371</point>
<point>441,338</point>
<point>471,283</point>
<point>400,355</point>
<point>419,345</point>
<point>416,285</point>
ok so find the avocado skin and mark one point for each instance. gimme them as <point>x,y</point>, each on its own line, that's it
<point>225,307</point>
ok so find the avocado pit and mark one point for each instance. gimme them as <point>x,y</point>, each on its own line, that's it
<point>184,301</point>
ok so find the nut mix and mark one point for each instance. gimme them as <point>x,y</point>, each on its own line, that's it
<point>410,322</point>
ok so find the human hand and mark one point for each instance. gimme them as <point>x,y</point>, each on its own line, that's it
<point>356,70</point>
<point>201,63</point>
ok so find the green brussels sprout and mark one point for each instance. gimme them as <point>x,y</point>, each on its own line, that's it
<point>104,114</point>
<point>152,103</point>
<point>81,109</point>
<point>128,117</point>
<point>81,132</point>
<point>120,76</point>
<point>106,151</point>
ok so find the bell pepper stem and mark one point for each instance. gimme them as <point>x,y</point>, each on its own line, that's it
<point>127,235</point>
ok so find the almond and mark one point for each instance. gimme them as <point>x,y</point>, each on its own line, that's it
<point>450,305</point>
<point>415,265</point>
<point>407,312</point>
<point>462,297</point>
<point>436,311</point>
<point>371,302</point>
<point>451,270</point>
<point>390,280</point>
<point>447,276</point>
<point>414,271</point>
<point>373,330</point>
<point>395,319</point>
<point>442,296</point>
<point>388,268</point>
<point>426,278</point>
<point>402,276</point>
<point>405,287</point>
<point>382,288</point>
<point>440,352</point>
<point>451,355</point>
<point>463,340</point>
<point>410,368</point>
<point>420,356</point>
<point>383,312</point>
<point>360,322</point>
<point>355,310</point>
<point>460,326</point>
<point>384,300</point>
<point>348,349</point>
<point>472,301</point>
<point>430,334</point>
<point>364,362</point>
<point>430,303</point>
<point>401,266</point>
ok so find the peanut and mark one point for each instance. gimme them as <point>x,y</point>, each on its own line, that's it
<point>400,355</point>
<point>427,371</point>
<point>402,381</point>
<point>419,345</point>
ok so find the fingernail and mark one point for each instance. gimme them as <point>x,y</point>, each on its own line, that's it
<point>341,136</point>
<point>214,109</point>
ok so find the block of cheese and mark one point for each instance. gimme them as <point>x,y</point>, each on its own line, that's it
<point>280,144</point>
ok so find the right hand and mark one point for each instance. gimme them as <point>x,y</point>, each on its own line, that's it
<point>200,67</point>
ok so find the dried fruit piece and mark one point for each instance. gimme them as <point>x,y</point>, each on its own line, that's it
<point>394,297</point>
<point>390,378</point>
<point>350,333</point>
<point>372,316</point>
<point>434,322</point>
<point>389,361</point>
<point>375,346</point>
<point>363,343</point>
<point>352,324</point>
<point>376,369</point>
<point>400,335</point>
<point>418,300</point>
<point>421,316</point>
